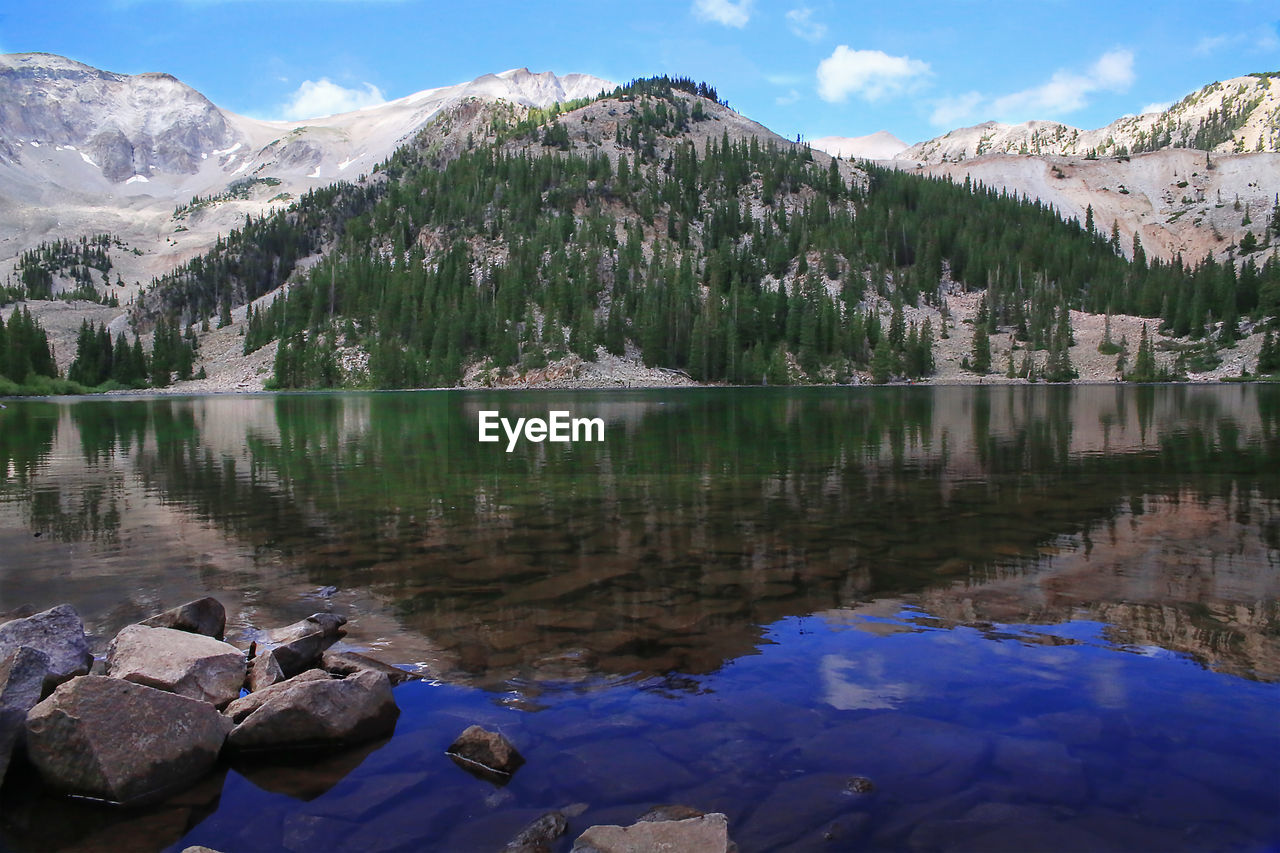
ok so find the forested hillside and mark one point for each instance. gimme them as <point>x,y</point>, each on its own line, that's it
<point>652,222</point>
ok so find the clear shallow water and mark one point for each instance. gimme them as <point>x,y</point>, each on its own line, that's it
<point>1033,617</point>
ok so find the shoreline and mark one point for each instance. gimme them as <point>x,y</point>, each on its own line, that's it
<point>991,381</point>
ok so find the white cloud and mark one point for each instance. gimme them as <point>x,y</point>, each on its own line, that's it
<point>1262,39</point>
<point>1068,91</point>
<point>956,110</point>
<point>785,79</point>
<point>787,99</point>
<point>325,98</point>
<point>727,12</point>
<point>1158,107</point>
<point>1210,44</point>
<point>802,24</point>
<point>870,74</point>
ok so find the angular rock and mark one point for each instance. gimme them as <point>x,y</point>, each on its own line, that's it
<point>307,712</point>
<point>706,834</point>
<point>58,632</point>
<point>264,671</point>
<point>349,663</point>
<point>22,678</point>
<point>537,836</point>
<point>203,616</point>
<point>114,740</point>
<point>327,624</point>
<point>188,664</point>
<point>246,705</point>
<point>486,754</point>
<point>298,647</point>
<point>301,654</point>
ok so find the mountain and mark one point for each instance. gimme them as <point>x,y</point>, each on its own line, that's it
<point>1237,116</point>
<point>89,151</point>
<point>647,233</point>
<point>881,145</point>
<point>1190,180</point>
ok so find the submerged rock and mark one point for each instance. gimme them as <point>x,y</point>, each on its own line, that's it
<point>114,740</point>
<point>204,616</point>
<point>22,678</point>
<point>537,836</point>
<point>706,834</point>
<point>670,812</point>
<point>349,663</point>
<point>486,754</point>
<point>188,664</point>
<point>311,711</point>
<point>58,632</point>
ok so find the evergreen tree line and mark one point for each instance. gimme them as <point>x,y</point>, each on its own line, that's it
<point>737,261</point>
<point>24,349</point>
<point>99,361</point>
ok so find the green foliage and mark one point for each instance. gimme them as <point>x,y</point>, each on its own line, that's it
<point>24,350</point>
<point>1144,364</point>
<point>1269,355</point>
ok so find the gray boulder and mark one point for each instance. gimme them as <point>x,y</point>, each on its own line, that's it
<point>706,834</point>
<point>58,632</point>
<point>246,705</point>
<point>22,678</point>
<point>203,616</point>
<point>327,624</point>
<point>264,671</point>
<point>349,663</point>
<point>177,661</point>
<point>114,740</point>
<point>295,648</point>
<point>310,711</point>
<point>486,754</point>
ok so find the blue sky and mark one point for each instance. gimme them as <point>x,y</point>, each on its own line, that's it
<point>810,67</point>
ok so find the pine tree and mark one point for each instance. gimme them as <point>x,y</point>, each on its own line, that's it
<point>882,361</point>
<point>1269,355</point>
<point>981,362</point>
<point>1144,364</point>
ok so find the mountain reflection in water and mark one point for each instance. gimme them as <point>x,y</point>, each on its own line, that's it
<point>704,516</point>
<point>934,567</point>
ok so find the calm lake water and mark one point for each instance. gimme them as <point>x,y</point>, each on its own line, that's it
<point>1034,617</point>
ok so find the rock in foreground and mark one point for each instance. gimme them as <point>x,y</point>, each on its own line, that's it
<point>349,663</point>
<point>58,632</point>
<point>188,664</point>
<point>314,710</point>
<point>204,616</point>
<point>114,740</point>
<point>486,754</point>
<point>22,678</point>
<point>706,834</point>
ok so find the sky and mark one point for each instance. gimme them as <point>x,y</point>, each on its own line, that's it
<point>811,68</point>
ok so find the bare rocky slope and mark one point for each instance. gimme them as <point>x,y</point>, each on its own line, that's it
<point>86,151</point>
<point>1190,180</point>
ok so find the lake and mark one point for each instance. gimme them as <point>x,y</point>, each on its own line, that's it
<point>1033,617</point>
